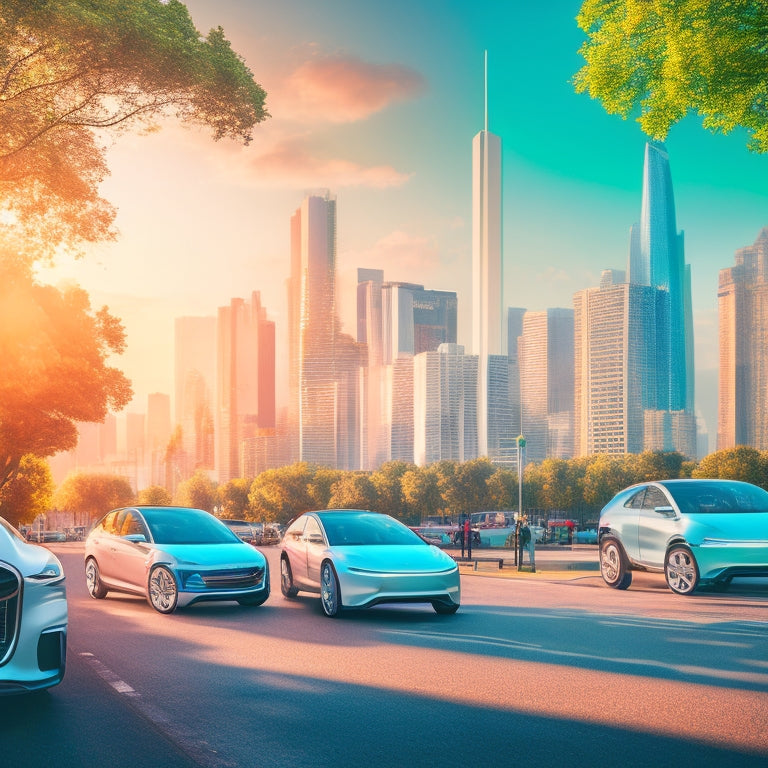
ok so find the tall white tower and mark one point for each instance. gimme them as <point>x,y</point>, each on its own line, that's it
<point>487,277</point>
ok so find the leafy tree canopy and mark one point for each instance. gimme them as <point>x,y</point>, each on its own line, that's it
<point>155,496</point>
<point>91,495</point>
<point>72,70</point>
<point>198,492</point>
<point>54,351</point>
<point>29,493</point>
<point>666,58</point>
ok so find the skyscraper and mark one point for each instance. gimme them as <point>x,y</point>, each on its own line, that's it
<point>487,273</point>
<point>246,380</point>
<point>546,382</point>
<point>743,384</point>
<point>656,258</point>
<point>195,383</point>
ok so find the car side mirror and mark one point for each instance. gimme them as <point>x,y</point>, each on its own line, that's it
<point>664,511</point>
<point>136,538</point>
<point>315,538</point>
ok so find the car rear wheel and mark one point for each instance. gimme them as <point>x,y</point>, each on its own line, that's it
<point>445,609</point>
<point>330,592</point>
<point>681,570</point>
<point>613,564</point>
<point>286,579</point>
<point>163,593</point>
<point>96,589</point>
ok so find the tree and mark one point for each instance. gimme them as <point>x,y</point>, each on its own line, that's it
<point>604,477</point>
<point>73,70</point>
<point>387,480</point>
<point>198,492</point>
<point>740,463</point>
<point>155,496</point>
<point>321,485</point>
<point>421,493</point>
<point>30,492</point>
<point>54,351</point>
<point>90,495</point>
<point>667,58</point>
<point>353,491</point>
<point>233,498</point>
<point>468,491</point>
<point>278,495</point>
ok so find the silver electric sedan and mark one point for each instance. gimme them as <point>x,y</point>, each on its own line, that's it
<point>174,556</point>
<point>694,531</point>
<point>357,559</point>
<point>33,615</point>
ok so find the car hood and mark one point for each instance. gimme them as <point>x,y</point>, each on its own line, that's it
<point>234,555</point>
<point>730,526</point>
<point>394,558</point>
<point>28,559</point>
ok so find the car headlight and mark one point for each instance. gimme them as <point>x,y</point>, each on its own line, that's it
<point>50,572</point>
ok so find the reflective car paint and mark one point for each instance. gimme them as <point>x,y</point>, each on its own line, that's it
<point>724,524</point>
<point>33,615</point>
<point>369,573</point>
<point>206,560</point>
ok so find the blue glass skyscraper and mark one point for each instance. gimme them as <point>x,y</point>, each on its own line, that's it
<point>657,259</point>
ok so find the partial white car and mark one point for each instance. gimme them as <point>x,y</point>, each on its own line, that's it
<point>357,559</point>
<point>33,615</point>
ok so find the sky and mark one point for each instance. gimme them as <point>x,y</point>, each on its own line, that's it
<point>378,103</point>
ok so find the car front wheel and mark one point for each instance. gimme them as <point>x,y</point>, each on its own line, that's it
<point>330,593</point>
<point>613,564</point>
<point>96,589</point>
<point>681,570</point>
<point>286,578</point>
<point>163,593</point>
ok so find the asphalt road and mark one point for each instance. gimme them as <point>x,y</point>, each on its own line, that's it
<point>545,672</point>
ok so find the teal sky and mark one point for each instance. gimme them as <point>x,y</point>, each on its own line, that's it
<point>378,102</point>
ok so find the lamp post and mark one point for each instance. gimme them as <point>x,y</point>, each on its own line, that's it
<point>520,450</point>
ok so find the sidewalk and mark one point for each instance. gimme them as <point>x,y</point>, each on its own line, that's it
<point>552,561</point>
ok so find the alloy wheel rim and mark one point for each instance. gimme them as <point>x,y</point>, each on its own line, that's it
<point>91,577</point>
<point>328,590</point>
<point>680,571</point>
<point>162,590</point>
<point>609,562</point>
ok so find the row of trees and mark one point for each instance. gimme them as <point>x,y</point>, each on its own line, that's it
<point>578,488</point>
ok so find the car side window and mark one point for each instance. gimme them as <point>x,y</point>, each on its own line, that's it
<point>312,529</point>
<point>132,525</point>
<point>296,528</point>
<point>636,500</point>
<point>108,524</point>
<point>654,498</point>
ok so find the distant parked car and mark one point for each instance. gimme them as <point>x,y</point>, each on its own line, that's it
<point>242,529</point>
<point>174,556</point>
<point>33,615</point>
<point>42,537</point>
<point>694,531</point>
<point>356,559</point>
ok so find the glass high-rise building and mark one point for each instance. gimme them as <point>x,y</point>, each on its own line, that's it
<point>657,259</point>
<point>743,384</point>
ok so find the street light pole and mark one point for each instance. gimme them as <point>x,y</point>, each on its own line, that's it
<point>520,449</point>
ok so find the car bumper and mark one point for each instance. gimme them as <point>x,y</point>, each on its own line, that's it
<point>195,590</point>
<point>362,589</point>
<point>720,559</point>
<point>37,657</point>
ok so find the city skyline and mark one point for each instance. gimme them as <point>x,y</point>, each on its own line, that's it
<point>385,120</point>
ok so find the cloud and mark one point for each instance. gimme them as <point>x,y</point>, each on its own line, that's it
<point>554,275</point>
<point>342,89</point>
<point>291,163</point>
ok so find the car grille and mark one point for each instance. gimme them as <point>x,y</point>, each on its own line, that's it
<point>9,609</point>
<point>233,579</point>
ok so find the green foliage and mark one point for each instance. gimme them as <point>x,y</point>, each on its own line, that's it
<point>90,495</point>
<point>320,487</point>
<point>155,496</point>
<point>740,463</point>
<point>667,58</point>
<point>387,480</point>
<point>55,353</point>
<point>74,69</point>
<point>278,495</point>
<point>353,491</point>
<point>502,490</point>
<point>198,492</point>
<point>421,492</point>
<point>30,492</point>
<point>233,499</point>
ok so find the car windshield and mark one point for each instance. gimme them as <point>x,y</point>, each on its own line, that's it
<point>171,525</point>
<point>718,497</point>
<point>360,528</point>
<point>10,529</point>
